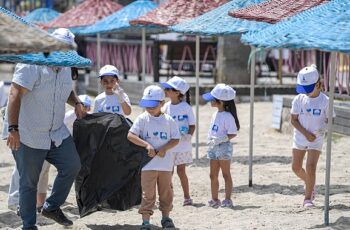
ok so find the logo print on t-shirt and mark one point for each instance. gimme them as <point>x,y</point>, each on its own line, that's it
<point>308,110</point>
<point>316,112</point>
<point>215,128</point>
<point>182,117</point>
<point>115,109</point>
<point>108,107</point>
<point>155,133</point>
<point>147,136</point>
<point>163,135</point>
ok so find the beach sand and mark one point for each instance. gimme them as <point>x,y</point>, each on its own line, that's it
<point>274,201</point>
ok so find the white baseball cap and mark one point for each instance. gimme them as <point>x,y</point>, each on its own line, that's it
<point>85,99</point>
<point>64,35</point>
<point>307,79</point>
<point>109,70</point>
<point>152,96</point>
<point>176,83</point>
<point>221,92</point>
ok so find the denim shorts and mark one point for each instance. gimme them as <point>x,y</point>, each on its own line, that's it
<point>222,151</point>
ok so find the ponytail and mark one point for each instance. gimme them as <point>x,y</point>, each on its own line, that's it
<point>187,95</point>
<point>230,106</point>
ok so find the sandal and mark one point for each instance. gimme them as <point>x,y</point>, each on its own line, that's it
<point>308,204</point>
<point>167,222</point>
<point>187,202</point>
<point>214,203</point>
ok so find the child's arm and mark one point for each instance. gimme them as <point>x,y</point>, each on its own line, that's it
<point>119,92</point>
<point>191,129</point>
<point>138,141</point>
<point>296,124</point>
<point>171,144</point>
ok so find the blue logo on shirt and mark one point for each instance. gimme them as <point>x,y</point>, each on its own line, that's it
<point>308,110</point>
<point>155,133</point>
<point>215,128</point>
<point>163,135</point>
<point>316,112</point>
<point>115,109</point>
<point>182,117</point>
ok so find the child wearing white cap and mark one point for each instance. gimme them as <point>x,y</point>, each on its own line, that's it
<point>113,99</point>
<point>223,127</point>
<point>309,116</point>
<point>158,133</point>
<point>180,110</point>
<point>70,115</point>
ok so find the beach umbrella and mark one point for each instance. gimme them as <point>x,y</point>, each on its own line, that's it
<point>85,14</point>
<point>41,16</point>
<point>57,58</point>
<point>19,36</point>
<point>325,27</point>
<point>274,11</point>
<point>218,23</point>
<point>174,12</point>
<point>119,22</point>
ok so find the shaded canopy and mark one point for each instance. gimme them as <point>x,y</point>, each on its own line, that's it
<point>41,15</point>
<point>175,11</point>
<point>57,58</point>
<point>274,10</point>
<point>218,22</point>
<point>119,21</point>
<point>87,13</point>
<point>19,36</point>
<point>325,27</point>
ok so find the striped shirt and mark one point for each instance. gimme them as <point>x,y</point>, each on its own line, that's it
<point>43,107</point>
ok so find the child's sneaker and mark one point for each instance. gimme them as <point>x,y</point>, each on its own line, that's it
<point>214,203</point>
<point>308,204</point>
<point>227,204</point>
<point>187,202</point>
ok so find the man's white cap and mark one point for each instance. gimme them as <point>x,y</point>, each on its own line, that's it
<point>85,99</point>
<point>152,96</point>
<point>221,92</point>
<point>176,83</point>
<point>64,35</point>
<point>109,70</point>
<point>307,79</point>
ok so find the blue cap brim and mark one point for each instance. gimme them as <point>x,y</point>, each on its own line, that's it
<point>208,97</point>
<point>149,103</point>
<point>166,85</point>
<point>305,89</point>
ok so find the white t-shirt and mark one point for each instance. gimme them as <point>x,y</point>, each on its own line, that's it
<point>69,119</point>
<point>157,131</point>
<point>222,123</point>
<point>109,104</point>
<point>182,113</point>
<point>313,114</point>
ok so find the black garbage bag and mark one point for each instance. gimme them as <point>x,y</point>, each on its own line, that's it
<point>110,172</point>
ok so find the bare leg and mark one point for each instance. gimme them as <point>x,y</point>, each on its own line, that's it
<point>311,165</point>
<point>297,164</point>
<point>181,172</point>
<point>214,174</point>
<point>225,169</point>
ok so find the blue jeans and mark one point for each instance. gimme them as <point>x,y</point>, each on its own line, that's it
<point>29,163</point>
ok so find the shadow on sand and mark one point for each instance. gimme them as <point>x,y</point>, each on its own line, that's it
<point>121,227</point>
<point>340,224</point>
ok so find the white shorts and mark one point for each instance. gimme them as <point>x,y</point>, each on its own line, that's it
<point>183,158</point>
<point>311,145</point>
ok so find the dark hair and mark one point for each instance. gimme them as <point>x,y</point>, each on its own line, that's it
<point>230,106</point>
<point>187,95</point>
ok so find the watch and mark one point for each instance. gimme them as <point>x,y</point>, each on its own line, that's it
<point>12,128</point>
<point>79,102</point>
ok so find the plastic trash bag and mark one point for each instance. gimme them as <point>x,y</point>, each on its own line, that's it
<point>111,165</point>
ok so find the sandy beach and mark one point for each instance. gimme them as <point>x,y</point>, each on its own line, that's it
<point>274,201</point>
